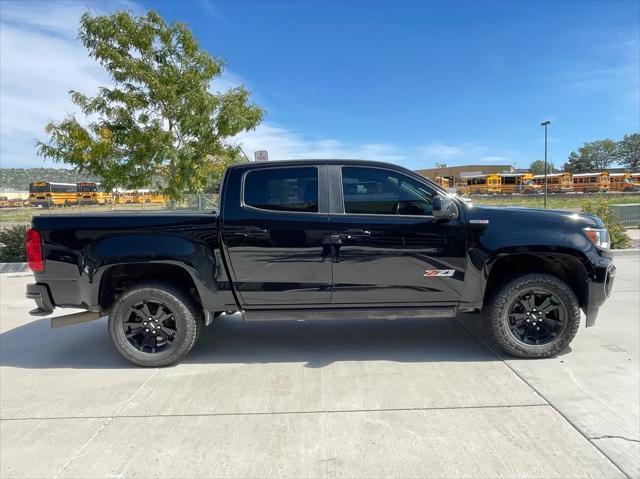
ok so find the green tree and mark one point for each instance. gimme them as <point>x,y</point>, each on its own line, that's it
<point>600,207</point>
<point>577,164</point>
<point>12,244</point>
<point>593,156</point>
<point>537,167</point>
<point>628,151</point>
<point>160,118</point>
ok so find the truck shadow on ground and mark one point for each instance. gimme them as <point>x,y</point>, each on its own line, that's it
<point>230,340</point>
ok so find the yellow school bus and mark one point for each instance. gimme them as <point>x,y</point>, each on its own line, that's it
<point>442,182</point>
<point>622,182</point>
<point>47,194</point>
<point>4,202</point>
<point>122,197</point>
<point>517,183</point>
<point>479,184</point>
<point>18,202</point>
<point>92,193</point>
<point>635,178</point>
<point>142,196</point>
<point>151,196</point>
<point>556,182</point>
<point>591,182</point>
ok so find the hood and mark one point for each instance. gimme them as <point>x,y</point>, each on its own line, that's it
<point>530,216</point>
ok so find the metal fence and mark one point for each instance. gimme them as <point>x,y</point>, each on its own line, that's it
<point>192,202</point>
<point>629,215</point>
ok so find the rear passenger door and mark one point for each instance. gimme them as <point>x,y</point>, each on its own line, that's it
<point>387,246</point>
<point>275,228</point>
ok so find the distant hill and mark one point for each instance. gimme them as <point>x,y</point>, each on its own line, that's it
<point>19,178</point>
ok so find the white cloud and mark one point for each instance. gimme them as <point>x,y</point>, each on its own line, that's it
<point>225,81</point>
<point>440,152</point>
<point>612,67</point>
<point>40,61</point>
<point>59,18</point>
<point>285,144</point>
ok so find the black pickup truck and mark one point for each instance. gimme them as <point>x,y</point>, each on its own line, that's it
<point>322,239</point>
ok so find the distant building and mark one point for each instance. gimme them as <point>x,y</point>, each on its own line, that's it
<point>458,172</point>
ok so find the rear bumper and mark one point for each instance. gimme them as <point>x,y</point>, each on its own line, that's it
<point>41,295</point>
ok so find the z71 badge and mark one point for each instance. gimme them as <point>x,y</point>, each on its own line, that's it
<point>438,272</point>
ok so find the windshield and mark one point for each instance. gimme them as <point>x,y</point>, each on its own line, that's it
<point>39,188</point>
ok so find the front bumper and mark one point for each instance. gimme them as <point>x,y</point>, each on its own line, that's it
<point>41,295</point>
<point>600,288</point>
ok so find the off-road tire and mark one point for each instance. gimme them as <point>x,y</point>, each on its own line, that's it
<point>188,319</point>
<point>497,309</point>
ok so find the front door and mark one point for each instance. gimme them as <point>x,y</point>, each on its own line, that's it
<point>275,231</point>
<point>387,248</point>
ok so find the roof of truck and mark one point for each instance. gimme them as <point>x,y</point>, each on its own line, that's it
<point>302,162</point>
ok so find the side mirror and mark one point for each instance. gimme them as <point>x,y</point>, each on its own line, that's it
<point>444,208</point>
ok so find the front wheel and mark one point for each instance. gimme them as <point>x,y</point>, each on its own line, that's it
<point>533,316</point>
<point>154,325</point>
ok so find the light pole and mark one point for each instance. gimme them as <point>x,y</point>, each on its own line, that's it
<point>545,124</point>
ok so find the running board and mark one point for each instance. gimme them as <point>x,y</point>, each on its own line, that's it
<point>348,313</point>
<point>75,318</point>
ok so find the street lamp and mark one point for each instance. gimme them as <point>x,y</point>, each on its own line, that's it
<point>545,124</point>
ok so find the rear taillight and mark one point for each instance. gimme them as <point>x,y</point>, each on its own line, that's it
<point>33,241</point>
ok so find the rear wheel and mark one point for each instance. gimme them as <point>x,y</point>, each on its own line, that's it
<point>154,325</point>
<point>533,316</point>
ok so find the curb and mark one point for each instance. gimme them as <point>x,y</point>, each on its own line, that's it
<point>13,268</point>
<point>626,252</point>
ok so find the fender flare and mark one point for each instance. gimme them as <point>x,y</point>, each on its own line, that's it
<point>194,257</point>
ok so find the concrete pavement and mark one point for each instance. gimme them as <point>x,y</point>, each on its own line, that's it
<point>321,399</point>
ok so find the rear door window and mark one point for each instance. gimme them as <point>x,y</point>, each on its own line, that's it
<point>282,189</point>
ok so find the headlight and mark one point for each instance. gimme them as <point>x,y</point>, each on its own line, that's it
<point>598,236</point>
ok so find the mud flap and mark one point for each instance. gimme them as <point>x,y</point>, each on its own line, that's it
<point>592,315</point>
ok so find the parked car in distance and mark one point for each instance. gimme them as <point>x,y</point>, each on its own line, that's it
<point>322,239</point>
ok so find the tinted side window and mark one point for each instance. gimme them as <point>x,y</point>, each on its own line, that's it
<point>282,189</point>
<point>379,191</point>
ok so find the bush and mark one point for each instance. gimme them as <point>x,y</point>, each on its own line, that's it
<point>12,244</point>
<point>600,208</point>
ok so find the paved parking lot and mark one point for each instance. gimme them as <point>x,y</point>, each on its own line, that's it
<point>358,398</point>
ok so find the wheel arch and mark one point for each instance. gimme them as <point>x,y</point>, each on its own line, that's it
<point>566,266</point>
<point>118,278</point>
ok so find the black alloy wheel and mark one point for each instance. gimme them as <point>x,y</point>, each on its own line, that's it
<point>150,326</point>
<point>537,317</point>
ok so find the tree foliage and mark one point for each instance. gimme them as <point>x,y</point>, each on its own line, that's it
<point>537,167</point>
<point>600,207</point>
<point>628,151</point>
<point>593,156</point>
<point>159,119</point>
<point>12,249</point>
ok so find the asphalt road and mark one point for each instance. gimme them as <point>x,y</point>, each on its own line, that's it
<point>359,398</point>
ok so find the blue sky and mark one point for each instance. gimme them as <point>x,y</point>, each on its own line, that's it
<point>410,82</point>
